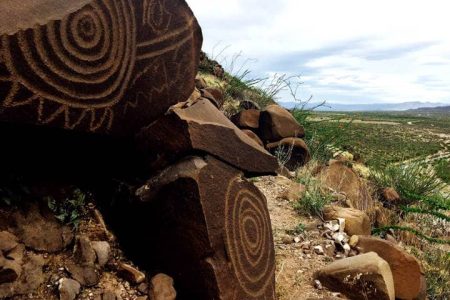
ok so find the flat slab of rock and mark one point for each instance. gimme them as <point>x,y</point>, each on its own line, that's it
<point>406,269</point>
<point>276,123</point>
<point>295,150</point>
<point>212,228</point>
<point>355,220</point>
<point>95,65</point>
<point>202,127</point>
<point>360,277</point>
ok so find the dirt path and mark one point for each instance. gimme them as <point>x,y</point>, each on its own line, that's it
<point>295,266</point>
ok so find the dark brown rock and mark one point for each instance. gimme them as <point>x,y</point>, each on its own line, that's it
<point>253,136</point>
<point>215,95</point>
<point>276,123</point>
<point>202,127</point>
<point>38,229</point>
<point>97,66</point>
<point>85,275</point>
<point>294,150</point>
<point>247,119</point>
<point>406,269</point>
<point>216,239</point>
<point>130,273</point>
<point>83,252</point>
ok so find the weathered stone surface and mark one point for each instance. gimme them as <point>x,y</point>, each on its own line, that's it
<point>103,251</point>
<point>161,288</point>
<point>212,228</point>
<point>390,195</point>
<point>360,277</point>
<point>247,119</point>
<point>86,275</point>
<point>405,268</point>
<point>39,229</point>
<point>95,65</point>
<point>343,179</point>
<point>356,222</point>
<point>276,123</point>
<point>30,278</point>
<point>189,128</point>
<point>84,252</point>
<point>215,95</point>
<point>295,149</point>
<point>253,136</point>
<point>200,83</point>
<point>68,289</point>
<point>11,254</point>
<point>130,273</point>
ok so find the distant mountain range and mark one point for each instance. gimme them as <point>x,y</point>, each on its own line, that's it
<point>369,107</point>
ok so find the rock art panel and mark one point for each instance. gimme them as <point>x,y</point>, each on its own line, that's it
<point>212,228</point>
<point>99,66</point>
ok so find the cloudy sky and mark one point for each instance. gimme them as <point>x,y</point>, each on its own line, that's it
<point>346,51</point>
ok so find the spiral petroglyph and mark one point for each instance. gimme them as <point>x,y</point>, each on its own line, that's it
<point>249,243</point>
<point>88,66</point>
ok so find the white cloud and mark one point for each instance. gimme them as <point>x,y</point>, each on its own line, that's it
<point>348,50</point>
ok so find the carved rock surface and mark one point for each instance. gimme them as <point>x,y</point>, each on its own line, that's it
<point>95,65</point>
<point>277,123</point>
<point>200,126</point>
<point>212,228</point>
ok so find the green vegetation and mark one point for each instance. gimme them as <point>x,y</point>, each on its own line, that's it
<point>442,168</point>
<point>299,229</point>
<point>71,210</point>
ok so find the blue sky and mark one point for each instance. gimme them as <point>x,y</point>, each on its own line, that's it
<point>346,51</point>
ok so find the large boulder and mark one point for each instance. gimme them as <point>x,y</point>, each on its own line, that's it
<point>191,127</point>
<point>276,123</point>
<point>339,177</point>
<point>360,277</point>
<point>293,152</point>
<point>253,136</point>
<point>247,119</point>
<point>95,65</point>
<point>211,227</point>
<point>356,222</point>
<point>406,269</point>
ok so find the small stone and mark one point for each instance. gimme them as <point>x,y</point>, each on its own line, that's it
<point>318,250</point>
<point>318,284</point>
<point>341,224</point>
<point>85,275</point>
<point>297,240</point>
<point>161,288</point>
<point>353,241</point>
<point>130,273</point>
<point>84,252</point>
<point>390,195</point>
<point>68,289</point>
<point>143,288</point>
<point>103,252</point>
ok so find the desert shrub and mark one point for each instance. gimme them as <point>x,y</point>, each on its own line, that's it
<point>442,168</point>
<point>299,229</point>
<point>70,210</point>
<point>316,197</point>
<point>411,180</point>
